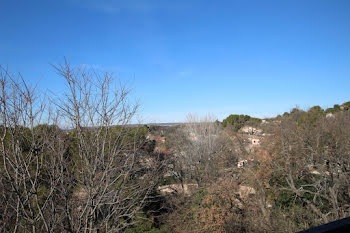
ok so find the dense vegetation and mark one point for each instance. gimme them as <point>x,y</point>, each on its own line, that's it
<point>237,121</point>
<point>74,164</point>
<point>297,178</point>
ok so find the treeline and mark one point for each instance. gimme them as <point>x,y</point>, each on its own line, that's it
<point>317,109</point>
<point>238,121</point>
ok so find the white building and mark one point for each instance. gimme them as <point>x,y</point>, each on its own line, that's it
<point>251,130</point>
<point>242,163</point>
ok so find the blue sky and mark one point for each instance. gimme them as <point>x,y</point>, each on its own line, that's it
<point>257,57</point>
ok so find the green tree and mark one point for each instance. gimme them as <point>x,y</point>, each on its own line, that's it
<point>346,105</point>
<point>238,121</point>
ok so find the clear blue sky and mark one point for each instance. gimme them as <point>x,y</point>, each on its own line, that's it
<point>221,57</point>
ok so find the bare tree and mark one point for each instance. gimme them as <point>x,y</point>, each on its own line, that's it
<point>22,147</point>
<point>111,181</point>
<point>92,177</point>
<point>198,148</point>
<point>313,158</point>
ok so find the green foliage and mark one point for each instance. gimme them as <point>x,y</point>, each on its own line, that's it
<point>238,121</point>
<point>131,134</point>
<point>296,110</point>
<point>197,197</point>
<point>316,109</point>
<point>330,110</point>
<point>306,119</point>
<point>45,128</point>
<point>336,107</point>
<point>346,106</point>
<point>310,117</point>
<point>287,199</point>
